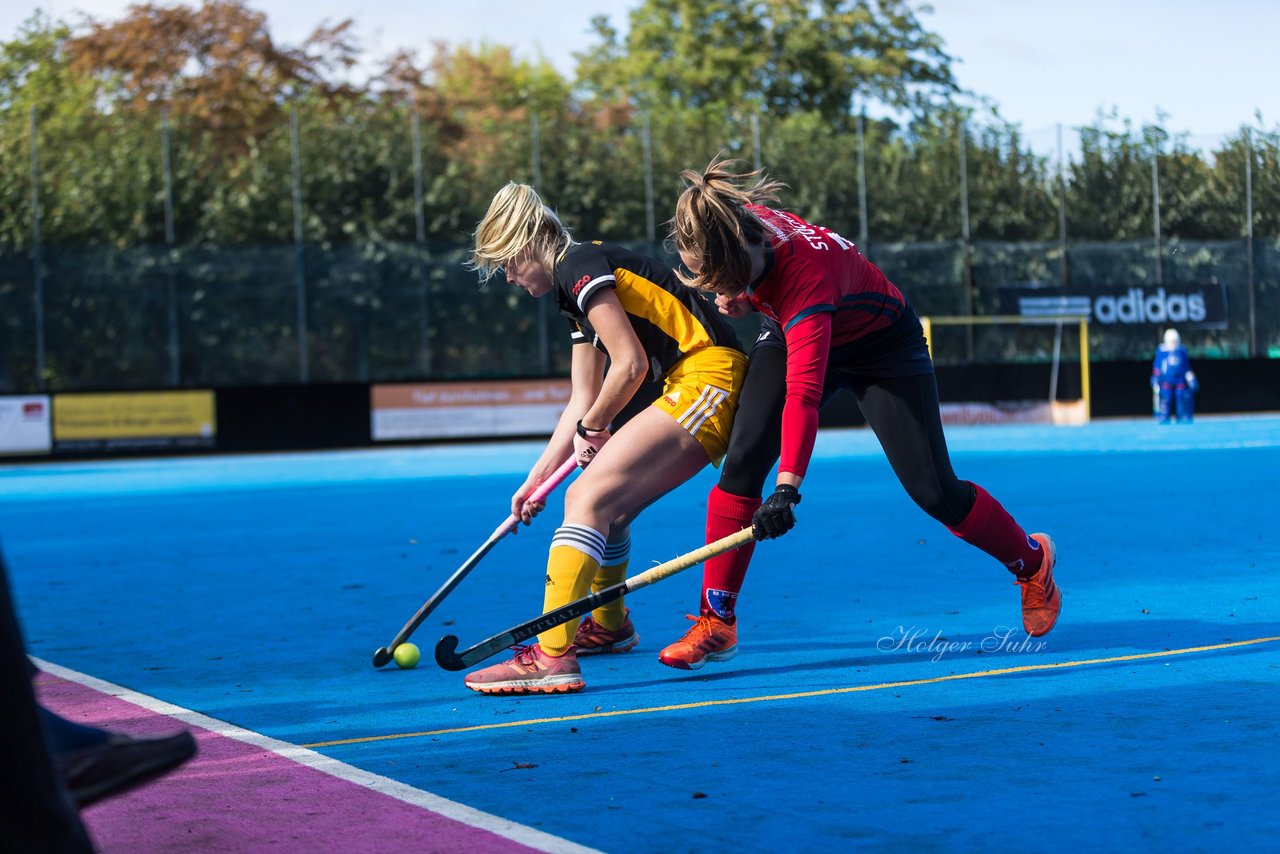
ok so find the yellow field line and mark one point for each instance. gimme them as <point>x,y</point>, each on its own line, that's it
<point>1026,668</point>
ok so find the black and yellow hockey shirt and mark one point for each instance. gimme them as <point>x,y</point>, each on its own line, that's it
<point>670,320</point>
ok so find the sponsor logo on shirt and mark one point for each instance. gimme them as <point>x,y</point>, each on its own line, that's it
<point>580,284</point>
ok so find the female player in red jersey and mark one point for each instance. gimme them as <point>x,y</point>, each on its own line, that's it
<point>831,321</point>
<point>631,310</point>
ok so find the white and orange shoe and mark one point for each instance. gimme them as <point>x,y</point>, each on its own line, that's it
<point>531,671</point>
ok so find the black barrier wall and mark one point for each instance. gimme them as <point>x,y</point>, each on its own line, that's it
<point>1118,389</point>
<point>331,416</point>
<point>293,417</point>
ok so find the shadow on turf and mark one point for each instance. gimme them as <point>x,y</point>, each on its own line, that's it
<point>730,669</point>
<point>1146,633</point>
<point>1067,642</point>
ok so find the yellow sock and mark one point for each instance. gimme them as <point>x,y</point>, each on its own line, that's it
<point>569,574</point>
<point>613,569</point>
<point>611,614</point>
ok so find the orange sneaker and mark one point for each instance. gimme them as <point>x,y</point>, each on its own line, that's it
<point>710,639</point>
<point>1041,598</point>
<point>531,671</point>
<point>594,639</point>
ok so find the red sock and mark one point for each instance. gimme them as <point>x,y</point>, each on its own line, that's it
<point>723,574</point>
<point>990,527</point>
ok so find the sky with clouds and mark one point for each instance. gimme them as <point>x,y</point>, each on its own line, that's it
<point>1208,67</point>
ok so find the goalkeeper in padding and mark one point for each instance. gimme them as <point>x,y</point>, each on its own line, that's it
<point>1172,381</point>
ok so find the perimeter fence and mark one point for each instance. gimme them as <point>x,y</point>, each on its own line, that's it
<point>319,259</point>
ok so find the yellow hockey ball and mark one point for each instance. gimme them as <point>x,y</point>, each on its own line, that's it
<point>407,655</point>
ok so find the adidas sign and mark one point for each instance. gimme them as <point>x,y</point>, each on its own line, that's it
<point>1136,306</point>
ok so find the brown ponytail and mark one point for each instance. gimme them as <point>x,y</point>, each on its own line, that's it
<point>713,225</point>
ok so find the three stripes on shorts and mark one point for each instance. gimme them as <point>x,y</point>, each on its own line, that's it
<point>703,408</point>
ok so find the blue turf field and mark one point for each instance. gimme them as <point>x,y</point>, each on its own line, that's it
<point>877,702</point>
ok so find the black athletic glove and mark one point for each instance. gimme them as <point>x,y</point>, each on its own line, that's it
<point>775,517</point>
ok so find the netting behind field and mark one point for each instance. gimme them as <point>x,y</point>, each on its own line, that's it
<point>159,318</point>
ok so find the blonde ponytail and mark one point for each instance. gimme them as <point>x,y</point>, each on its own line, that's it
<point>517,221</point>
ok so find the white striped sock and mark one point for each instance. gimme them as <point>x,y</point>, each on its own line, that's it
<point>616,553</point>
<point>586,540</point>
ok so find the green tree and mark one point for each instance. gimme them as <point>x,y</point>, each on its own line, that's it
<point>93,178</point>
<point>1265,145</point>
<point>1012,194</point>
<point>1227,183</point>
<point>1110,191</point>
<point>917,182</point>
<point>488,100</point>
<point>1110,186</point>
<point>782,56</point>
<point>1189,209</point>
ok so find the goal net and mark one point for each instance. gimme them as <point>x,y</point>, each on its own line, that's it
<point>1010,369</point>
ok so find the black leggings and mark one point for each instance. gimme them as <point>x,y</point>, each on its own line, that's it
<point>903,412</point>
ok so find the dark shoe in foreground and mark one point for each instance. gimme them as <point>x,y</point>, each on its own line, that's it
<point>594,639</point>
<point>121,763</point>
